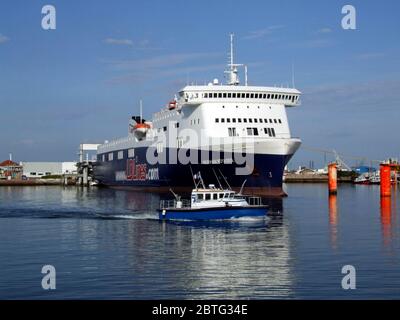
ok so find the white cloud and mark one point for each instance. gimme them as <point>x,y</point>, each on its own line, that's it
<point>324,30</point>
<point>370,55</point>
<point>123,42</point>
<point>256,34</point>
<point>3,38</point>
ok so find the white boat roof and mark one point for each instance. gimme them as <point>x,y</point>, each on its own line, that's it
<point>217,88</point>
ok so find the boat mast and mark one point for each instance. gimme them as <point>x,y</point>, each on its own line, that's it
<point>232,72</point>
<point>141,111</point>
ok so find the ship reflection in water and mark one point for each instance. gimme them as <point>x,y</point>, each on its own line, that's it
<point>108,243</point>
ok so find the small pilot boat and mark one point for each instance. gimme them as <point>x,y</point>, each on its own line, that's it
<point>211,203</point>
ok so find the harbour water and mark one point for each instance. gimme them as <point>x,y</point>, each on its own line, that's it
<point>108,244</point>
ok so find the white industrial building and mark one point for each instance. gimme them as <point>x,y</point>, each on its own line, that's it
<point>41,169</point>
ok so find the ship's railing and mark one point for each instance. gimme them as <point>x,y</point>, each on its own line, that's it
<point>168,204</point>
<point>254,201</point>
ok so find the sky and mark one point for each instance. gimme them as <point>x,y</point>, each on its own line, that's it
<point>82,81</point>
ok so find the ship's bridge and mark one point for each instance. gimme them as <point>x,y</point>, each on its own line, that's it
<point>196,95</point>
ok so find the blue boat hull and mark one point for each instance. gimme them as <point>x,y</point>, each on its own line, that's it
<point>212,214</point>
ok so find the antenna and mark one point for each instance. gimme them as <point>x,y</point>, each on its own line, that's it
<point>219,182</point>
<point>194,181</point>
<point>225,179</point>
<point>293,85</point>
<point>241,188</point>
<point>141,111</point>
<point>231,64</point>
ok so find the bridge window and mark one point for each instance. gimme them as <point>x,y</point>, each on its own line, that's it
<point>215,196</point>
<point>256,95</point>
<point>120,155</point>
<point>228,120</point>
<point>240,120</point>
<point>255,120</point>
<point>216,120</point>
<point>220,95</point>
<point>229,94</point>
<point>110,156</point>
<point>270,120</point>
<point>234,95</point>
<point>234,120</point>
<point>251,120</point>
<point>208,196</point>
<point>275,121</point>
<point>232,132</point>
<point>252,95</point>
<point>245,120</point>
<point>222,120</point>
<point>273,131</point>
<point>131,153</point>
<point>279,120</point>
<point>247,95</point>
<point>224,95</point>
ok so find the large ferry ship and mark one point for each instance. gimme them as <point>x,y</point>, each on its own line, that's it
<point>238,133</point>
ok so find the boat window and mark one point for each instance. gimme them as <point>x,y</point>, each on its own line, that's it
<point>220,195</point>
<point>220,95</point>
<point>255,130</point>
<point>224,94</point>
<point>229,94</point>
<point>252,95</point>
<point>268,96</point>
<point>234,95</point>
<point>247,95</point>
<point>200,196</point>
<point>222,120</point>
<point>255,120</point>
<point>279,120</point>
<point>205,95</point>
<point>256,96</point>
<point>251,120</point>
<point>208,196</point>
<point>245,120</point>
<point>234,120</point>
<point>243,95</point>
<point>275,121</point>
<point>270,120</point>
<point>216,120</point>
<point>215,95</point>
<point>215,196</point>
<point>264,96</point>
<point>228,120</point>
<point>239,120</point>
<point>273,131</point>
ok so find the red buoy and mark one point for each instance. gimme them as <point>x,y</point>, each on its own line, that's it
<point>385,180</point>
<point>332,178</point>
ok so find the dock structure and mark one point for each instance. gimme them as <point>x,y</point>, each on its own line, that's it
<point>85,166</point>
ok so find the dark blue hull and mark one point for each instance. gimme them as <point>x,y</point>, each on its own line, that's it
<point>265,178</point>
<point>212,214</point>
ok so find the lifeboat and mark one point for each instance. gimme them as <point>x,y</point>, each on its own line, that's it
<point>140,130</point>
<point>172,105</point>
